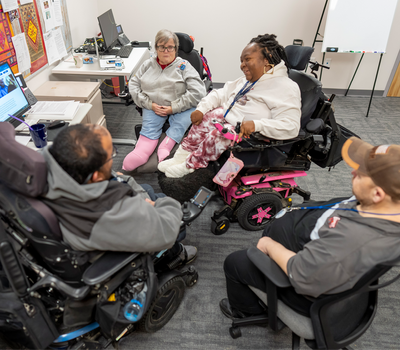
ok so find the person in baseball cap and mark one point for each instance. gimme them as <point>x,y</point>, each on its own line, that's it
<point>329,246</point>
<point>380,163</point>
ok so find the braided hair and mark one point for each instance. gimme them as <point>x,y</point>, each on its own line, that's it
<point>271,49</point>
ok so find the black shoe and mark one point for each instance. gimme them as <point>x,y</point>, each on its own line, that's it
<point>187,255</point>
<point>229,311</point>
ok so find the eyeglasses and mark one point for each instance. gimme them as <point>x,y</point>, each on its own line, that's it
<point>162,48</point>
<point>113,155</point>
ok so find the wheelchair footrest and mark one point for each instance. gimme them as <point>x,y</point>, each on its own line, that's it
<point>305,194</point>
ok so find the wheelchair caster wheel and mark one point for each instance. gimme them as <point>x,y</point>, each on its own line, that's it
<point>192,277</point>
<point>220,226</point>
<point>235,332</point>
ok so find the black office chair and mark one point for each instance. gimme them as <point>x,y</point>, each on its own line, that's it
<point>335,320</point>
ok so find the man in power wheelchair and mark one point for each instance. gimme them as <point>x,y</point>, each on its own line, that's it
<point>266,181</point>
<point>62,291</point>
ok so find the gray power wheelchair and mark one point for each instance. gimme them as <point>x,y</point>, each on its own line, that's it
<point>53,296</point>
<point>267,180</point>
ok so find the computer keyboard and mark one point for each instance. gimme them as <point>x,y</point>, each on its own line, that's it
<point>123,52</point>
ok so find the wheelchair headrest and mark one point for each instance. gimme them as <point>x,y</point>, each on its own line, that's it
<point>21,168</point>
<point>185,42</point>
<point>298,56</point>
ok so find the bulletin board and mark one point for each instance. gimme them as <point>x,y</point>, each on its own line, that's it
<point>28,19</point>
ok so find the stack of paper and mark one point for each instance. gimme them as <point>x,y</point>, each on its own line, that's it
<point>55,110</point>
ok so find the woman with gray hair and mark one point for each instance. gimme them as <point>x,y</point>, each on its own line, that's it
<point>164,86</point>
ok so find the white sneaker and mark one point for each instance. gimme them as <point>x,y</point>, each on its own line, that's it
<point>178,170</point>
<point>179,157</point>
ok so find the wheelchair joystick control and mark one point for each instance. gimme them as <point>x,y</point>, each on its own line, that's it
<point>186,211</point>
<point>237,128</point>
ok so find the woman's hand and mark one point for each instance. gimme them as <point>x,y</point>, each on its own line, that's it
<point>247,128</point>
<point>196,117</point>
<point>149,201</point>
<point>162,111</point>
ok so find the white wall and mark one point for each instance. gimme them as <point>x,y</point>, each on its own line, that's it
<point>224,27</point>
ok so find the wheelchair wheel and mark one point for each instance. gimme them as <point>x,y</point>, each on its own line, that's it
<point>166,302</point>
<point>255,211</point>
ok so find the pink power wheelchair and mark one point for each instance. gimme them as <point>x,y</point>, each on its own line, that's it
<point>267,180</point>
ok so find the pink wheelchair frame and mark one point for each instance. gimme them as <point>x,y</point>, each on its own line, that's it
<point>254,199</point>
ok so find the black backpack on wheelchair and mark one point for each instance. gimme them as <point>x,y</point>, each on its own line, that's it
<point>51,295</point>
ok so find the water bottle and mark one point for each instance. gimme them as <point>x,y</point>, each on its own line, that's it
<point>133,310</point>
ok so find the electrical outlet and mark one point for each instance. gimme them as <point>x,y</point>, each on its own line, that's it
<point>312,59</point>
<point>327,62</point>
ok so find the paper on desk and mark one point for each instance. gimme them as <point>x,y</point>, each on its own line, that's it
<point>22,52</point>
<point>50,107</point>
<point>23,140</point>
<point>9,5</point>
<point>24,2</point>
<point>55,45</point>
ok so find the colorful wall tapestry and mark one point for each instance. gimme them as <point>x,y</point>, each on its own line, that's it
<point>7,52</point>
<point>30,23</point>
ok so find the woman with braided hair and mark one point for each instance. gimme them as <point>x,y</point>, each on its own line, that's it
<point>265,99</point>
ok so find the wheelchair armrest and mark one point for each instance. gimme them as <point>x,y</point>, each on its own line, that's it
<point>268,267</point>
<point>258,136</point>
<point>106,266</point>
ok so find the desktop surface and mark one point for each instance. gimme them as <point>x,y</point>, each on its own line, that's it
<point>131,65</point>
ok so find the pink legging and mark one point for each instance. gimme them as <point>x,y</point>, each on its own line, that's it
<point>204,141</point>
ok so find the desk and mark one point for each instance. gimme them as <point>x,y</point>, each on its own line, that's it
<point>93,71</point>
<point>80,117</point>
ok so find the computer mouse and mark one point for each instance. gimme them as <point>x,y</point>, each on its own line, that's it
<point>56,124</point>
<point>135,43</point>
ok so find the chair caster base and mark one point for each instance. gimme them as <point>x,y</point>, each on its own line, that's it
<point>235,332</point>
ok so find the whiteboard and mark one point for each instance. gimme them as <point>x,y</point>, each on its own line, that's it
<point>358,25</point>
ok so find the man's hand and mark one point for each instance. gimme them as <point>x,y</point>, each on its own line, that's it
<point>263,244</point>
<point>276,251</point>
<point>149,201</point>
<point>247,128</point>
<point>196,117</point>
<point>159,110</point>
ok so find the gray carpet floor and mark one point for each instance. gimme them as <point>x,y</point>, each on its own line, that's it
<point>198,323</point>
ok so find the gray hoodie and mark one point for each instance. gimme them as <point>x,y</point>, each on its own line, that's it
<point>124,224</point>
<point>178,85</point>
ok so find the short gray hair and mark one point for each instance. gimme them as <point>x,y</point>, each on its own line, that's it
<point>164,35</point>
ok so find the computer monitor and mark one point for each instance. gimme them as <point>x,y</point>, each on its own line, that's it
<point>12,99</point>
<point>108,29</point>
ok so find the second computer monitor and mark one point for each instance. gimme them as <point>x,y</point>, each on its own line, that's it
<point>108,29</point>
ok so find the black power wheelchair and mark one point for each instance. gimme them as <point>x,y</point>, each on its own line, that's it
<point>53,296</point>
<point>265,183</point>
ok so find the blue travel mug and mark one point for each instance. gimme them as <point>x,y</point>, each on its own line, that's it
<point>39,135</point>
